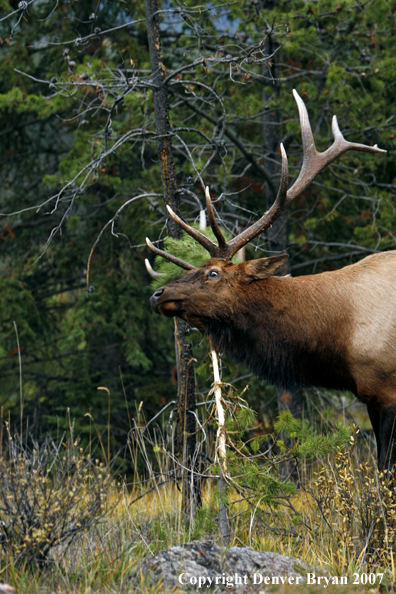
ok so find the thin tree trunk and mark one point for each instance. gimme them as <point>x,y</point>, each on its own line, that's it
<point>277,232</point>
<point>186,433</point>
<point>221,453</point>
<point>186,425</point>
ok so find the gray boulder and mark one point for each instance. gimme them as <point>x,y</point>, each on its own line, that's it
<point>205,567</point>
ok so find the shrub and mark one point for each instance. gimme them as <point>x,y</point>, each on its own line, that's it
<point>49,495</point>
<point>358,503</point>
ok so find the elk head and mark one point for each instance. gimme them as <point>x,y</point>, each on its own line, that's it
<point>192,296</point>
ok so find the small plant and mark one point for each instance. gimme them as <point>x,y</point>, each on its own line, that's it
<point>49,495</point>
<point>255,474</point>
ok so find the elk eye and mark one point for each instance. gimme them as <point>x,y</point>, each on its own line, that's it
<point>213,274</point>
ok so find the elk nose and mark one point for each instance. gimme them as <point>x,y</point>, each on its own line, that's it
<point>156,295</point>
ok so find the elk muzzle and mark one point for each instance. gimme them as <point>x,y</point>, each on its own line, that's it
<point>164,304</point>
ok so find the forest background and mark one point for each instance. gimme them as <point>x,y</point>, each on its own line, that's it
<point>77,134</point>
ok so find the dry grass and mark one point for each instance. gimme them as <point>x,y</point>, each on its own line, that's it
<point>342,518</point>
<point>104,559</point>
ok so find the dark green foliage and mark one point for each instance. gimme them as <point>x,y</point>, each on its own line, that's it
<point>71,344</point>
<point>308,442</point>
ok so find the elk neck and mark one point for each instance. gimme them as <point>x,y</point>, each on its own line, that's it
<point>290,331</point>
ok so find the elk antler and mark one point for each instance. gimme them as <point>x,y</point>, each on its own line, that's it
<point>152,272</point>
<point>313,163</point>
<point>170,257</point>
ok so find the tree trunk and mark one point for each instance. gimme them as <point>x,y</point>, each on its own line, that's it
<point>277,232</point>
<point>186,432</point>
<point>186,425</point>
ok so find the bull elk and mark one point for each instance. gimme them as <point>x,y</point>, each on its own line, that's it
<point>335,329</point>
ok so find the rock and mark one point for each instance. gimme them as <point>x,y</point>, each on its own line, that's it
<point>7,589</point>
<point>204,566</point>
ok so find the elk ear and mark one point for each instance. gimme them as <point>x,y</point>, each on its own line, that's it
<point>263,268</point>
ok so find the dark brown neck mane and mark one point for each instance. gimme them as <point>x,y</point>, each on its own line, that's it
<point>278,343</point>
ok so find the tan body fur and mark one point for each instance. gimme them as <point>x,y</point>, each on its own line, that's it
<point>359,302</point>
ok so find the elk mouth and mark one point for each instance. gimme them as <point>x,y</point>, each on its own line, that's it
<point>169,309</point>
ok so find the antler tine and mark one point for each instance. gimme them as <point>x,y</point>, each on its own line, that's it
<point>269,217</point>
<point>306,130</point>
<point>213,223</point>
<point>211,247</point>
<point>170,257</point>
<point>313,163</point>
<point>152,272</point>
